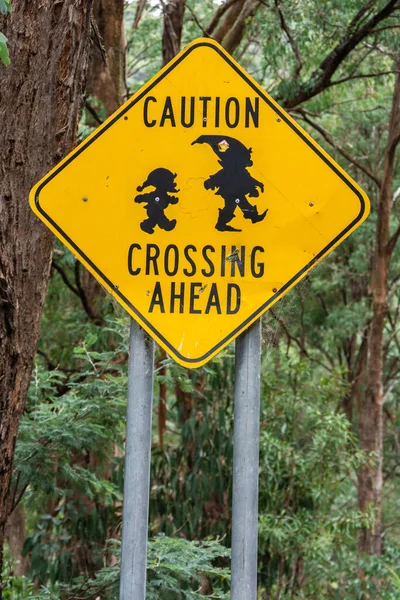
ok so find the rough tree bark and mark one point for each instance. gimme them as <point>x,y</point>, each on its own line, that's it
<point>370,479</point>
<point>235,34</point>
<point>106,72</point>
<point>224,19</point>
<point>41,94</point>
<point>172,31</point>
<point>16,536</point>
<point>228,23</point>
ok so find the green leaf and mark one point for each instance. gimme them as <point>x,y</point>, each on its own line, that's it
<point>5,6</point>
<point>91,339</point>
<point>3,49</point>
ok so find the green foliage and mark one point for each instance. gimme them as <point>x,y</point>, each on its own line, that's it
<point>308,457</point>
<point>68,458</point>
<point>14,587</point>
<point>176,570</point>
<point>62,423</point>
<point>144,45</point>
<point>192,475</point>
<point>359,577</point>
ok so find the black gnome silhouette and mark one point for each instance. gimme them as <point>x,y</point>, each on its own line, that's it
<point>158,200</point>
<point>233,181</point>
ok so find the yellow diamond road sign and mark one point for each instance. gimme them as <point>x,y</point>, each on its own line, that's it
<point>199,203</point>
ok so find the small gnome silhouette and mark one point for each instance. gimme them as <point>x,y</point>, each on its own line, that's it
<point>158,200</point>
<point>233,181</point>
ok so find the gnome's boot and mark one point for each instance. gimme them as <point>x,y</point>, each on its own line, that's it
<point>168,225</point>
<point>147,226</point>
<point>225,215</point>
<point>254,216</point>
<point>164,223</point>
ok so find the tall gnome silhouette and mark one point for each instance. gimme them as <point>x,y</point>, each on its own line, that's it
<point>233,182</point>
<point>157,201</point>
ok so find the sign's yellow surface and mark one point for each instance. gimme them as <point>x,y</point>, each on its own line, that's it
<point>199,203</point>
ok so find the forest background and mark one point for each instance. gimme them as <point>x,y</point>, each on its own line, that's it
<point>330,448</point>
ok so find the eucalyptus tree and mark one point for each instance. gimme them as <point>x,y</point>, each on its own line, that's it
<point>350,321</point>
<point>40,102</point>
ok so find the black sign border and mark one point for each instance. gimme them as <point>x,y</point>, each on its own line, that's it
<point>280,292</point>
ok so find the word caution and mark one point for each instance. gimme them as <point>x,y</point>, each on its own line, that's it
<point>201,111</point>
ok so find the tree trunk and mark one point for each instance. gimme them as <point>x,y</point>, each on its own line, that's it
<point>218,29</point>
<point>106,72</point>
<point>235,34</point>
<point>162,399</point>
<point>370,480</point>
<point>172,33</point>
<point>40,103</point>
<point>16,536</point>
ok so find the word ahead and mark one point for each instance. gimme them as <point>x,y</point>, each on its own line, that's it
<point>195,298</point>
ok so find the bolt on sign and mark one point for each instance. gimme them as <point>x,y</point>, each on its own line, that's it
<point>199,203</point>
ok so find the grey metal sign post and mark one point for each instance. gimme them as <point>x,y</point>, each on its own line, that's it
<point>245,464</point>
<point>137,465</point>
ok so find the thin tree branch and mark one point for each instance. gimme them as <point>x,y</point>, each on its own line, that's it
<point>393,241</point>
<point>359,76</point>
<point>291,39</point>
<point>93,112</point>
<point>389,388</point>
<point>304,115</point>
<point>18,500</point>
<point>64,277</point>
<point>82,294</point>
<point>358,62</point>
<point>378,48</point>
<point>379,29</point>
<point>322,77</point>
<point>196,20</point>
<point>394,335</point>
<point>361,13</point>
<point>54,367</point>
<point>50,365</point>
<point>139,13</point>
<point>15,493</point>
<point>394,522</point>
<point>298,343</point>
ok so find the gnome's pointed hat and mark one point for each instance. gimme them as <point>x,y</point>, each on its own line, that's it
<point>228,149</point>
